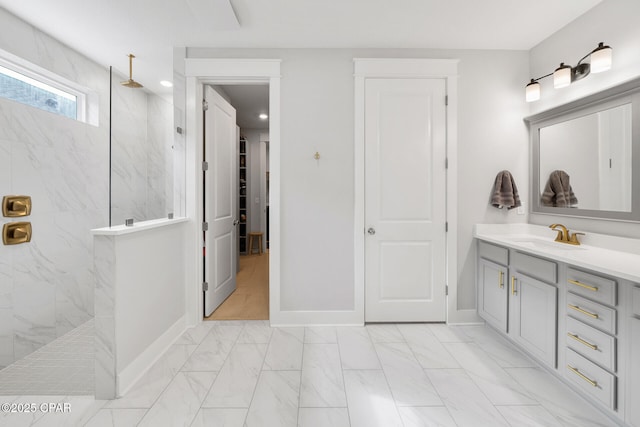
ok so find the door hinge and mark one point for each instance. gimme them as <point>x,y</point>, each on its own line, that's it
<point>205,166</point>
<point>205,226</point>
<point>446,100</point>
<point>446,227</point>
<point>446,163</point>
<point>205,105</point>
<point>446,290</point>
<point>205,286</point>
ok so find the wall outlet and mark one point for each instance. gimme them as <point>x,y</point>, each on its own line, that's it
<point>257,200</point>
<point>520,210</point>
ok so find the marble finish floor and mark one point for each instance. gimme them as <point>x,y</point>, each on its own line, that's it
<point>245,373</point>
<point>63,367</point>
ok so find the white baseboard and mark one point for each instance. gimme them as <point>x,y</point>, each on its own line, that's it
<point>464,317</point>
<point>141,364</point>
<point>316,318</point>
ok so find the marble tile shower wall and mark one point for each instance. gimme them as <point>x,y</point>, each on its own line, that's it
<point>142,155</point>
<point>47,285</point>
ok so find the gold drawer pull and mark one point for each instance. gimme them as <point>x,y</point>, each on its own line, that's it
<point>583,376</point>
<point>591,288</point>
<point>501,280</point>
<point>513,285</point>
<point>581,341</point>
<point>576,308</point>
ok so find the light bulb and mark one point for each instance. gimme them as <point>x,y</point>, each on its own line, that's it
<point>562,76</point>
<point>601,58</point>
<point>532,91</point>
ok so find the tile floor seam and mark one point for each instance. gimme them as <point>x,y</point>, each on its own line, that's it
<point>344,383</point>
<point>304,343</point>
<point>471,377</point>
<point>255,387</point>
<point>384,374</point>
<point>528,394</point>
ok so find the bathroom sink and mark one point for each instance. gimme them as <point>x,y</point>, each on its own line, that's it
<point>537,243</point>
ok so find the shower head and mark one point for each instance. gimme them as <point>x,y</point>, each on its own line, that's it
<point>131,83</point>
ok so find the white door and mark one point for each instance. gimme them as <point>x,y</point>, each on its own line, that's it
<point>405,203</point>
<point>220,204</point>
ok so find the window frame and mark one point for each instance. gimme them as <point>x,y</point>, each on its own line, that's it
<point>45,77</point>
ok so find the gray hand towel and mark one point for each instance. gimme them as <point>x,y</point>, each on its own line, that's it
<point>558,191</point>
<point>505,192</point>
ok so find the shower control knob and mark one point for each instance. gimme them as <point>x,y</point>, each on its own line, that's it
<point>371,231</point>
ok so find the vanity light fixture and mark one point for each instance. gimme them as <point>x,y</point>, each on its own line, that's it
<point>263,116</point>
<point>564,75</point>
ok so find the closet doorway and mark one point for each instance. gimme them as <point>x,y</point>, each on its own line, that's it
<point>249,299</point>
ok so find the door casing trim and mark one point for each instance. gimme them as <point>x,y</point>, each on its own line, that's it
<point>447,69</point>
<point>200,72</point>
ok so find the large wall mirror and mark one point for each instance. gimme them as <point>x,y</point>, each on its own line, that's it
<point>584,155</point>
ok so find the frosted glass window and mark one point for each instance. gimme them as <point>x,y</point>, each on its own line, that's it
<point>24,89</point>
<point>30,84</point>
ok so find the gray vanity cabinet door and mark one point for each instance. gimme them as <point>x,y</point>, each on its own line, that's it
<point>533,318</point>
<point>492,293</point>
<point>633,409</point>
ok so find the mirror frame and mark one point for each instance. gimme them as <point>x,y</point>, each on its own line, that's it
<point>627,92</point>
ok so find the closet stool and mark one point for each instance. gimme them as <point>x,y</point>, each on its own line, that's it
<point>258,237</point>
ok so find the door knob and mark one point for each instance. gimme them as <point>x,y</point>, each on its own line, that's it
<point>371,231</point>
<point>236,222</point>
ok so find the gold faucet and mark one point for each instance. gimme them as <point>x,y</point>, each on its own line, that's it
<point>564,235</point>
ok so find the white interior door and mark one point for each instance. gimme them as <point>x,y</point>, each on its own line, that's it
<point>220,204</point>
<point>405,200</point>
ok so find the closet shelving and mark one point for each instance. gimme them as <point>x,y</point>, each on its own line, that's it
<point>242,200</point>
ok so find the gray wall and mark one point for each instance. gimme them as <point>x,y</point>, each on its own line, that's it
<point>317,201</point>
<point>615,23</point>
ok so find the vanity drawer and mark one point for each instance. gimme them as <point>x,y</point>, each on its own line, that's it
<point>592,286</point>
<point>591,343</point>
<point>635,304</point>
<point>493,253</point>
<point>535,267</point>
<point>591,313</point>
<point>591,378</point>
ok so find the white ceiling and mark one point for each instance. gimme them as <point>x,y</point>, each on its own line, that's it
<point>249,101</point>
<point>107,31</point>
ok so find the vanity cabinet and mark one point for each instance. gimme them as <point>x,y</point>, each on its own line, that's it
<point>517,295</point>
<point>591,334</point>
<point>533,307</point>
<point>576,310</point>
<point>492,289</point>
<point>633,409</point>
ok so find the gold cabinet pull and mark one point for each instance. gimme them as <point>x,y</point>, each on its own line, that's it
<point>581,341</point>
<point>513,285</point>
<point>591,288</point>
<point>583,376</point>
<point>501,280</point>
<point>580,310</point>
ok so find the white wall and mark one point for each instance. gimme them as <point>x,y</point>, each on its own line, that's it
<point>317,198</point>
<point>140,300</point>
<point>614,22</point>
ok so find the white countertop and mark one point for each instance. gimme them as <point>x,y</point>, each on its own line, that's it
<point>612,255</point>
<point>136,227</point>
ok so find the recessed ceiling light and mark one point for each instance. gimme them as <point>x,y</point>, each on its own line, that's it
<point>263,116</point>
<point>166,83</point>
